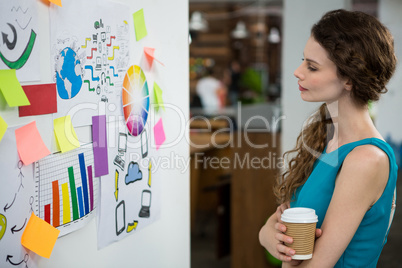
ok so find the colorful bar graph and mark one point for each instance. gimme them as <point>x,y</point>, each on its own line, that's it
<point>73,191</point>
<point>47,213</point>
<point>84,182</point>
<point>80,203</point>
<point>66,203</point>
<point>56,203</point>
<point>67,189</point>
<point>91,187</point>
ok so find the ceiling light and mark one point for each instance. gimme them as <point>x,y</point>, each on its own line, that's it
<point>197,22</point>
<point>240,31</point>
<point>274,36</point>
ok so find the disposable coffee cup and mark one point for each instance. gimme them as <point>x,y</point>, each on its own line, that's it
<point>300,225</point>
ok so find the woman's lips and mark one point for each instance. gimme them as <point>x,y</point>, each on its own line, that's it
<point>302,88</point>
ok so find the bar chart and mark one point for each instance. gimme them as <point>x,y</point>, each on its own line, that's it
<point>66,189</point>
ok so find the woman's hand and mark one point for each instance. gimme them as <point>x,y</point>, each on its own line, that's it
<point>283,253</point>
<point>273,238</point>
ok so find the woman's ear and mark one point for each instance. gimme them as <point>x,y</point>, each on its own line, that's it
<point>348,85</point>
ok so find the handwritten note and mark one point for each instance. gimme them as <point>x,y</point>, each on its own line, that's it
<point>39,236</point>
<point>139,25</point>
<point>149,54</point>
<point>158,97</point>
<point>43,99</point>
<point>57,2</point>
<point>30,145</point>
<point>99,138</point>
<point>65,134</point>
<point>11,89</point>
<point>159,134</point>
<point>3,127</point>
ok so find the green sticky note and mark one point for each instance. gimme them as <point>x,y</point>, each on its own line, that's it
<point>158,97</point>
<point>3,127</point>
<point>65,134</point>
<point>11,88</point>
<point>139,25</point>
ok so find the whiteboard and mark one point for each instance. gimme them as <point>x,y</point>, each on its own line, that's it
<point>165,243</point>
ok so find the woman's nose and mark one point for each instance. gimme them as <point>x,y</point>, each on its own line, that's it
<point>298,73</point>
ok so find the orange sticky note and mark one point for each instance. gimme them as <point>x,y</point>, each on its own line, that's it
<point>149,54</point>
<point>39,236</point>
<point>30,145</point>
<point>57,2</point>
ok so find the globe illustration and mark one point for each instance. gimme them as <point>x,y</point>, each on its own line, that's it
<point>68,74</point>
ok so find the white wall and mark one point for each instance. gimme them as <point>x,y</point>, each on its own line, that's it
<point>298,17</point>
<point>165,243</point>
<point>389,107</point>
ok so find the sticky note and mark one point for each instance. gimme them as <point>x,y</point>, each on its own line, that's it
<point>65,134</point>
<point>158,97</point>
<point>30,145</point>
<point>139,25</point>
<point>57,2</point>
<point>149,55</point>
<point>3,127</point>
<point>99,138</point>
<point>39,236</point>
<point>43,99</point>
<point>159,134</point>
<point>11,88</point>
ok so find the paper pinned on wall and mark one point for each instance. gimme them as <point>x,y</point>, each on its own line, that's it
<point>3,127</point>
<point>158,97</point>
<point>30,145</point>
<point>139,25</point>
<point>149,54</point>
<point>99,138</point>
<point>39,236</point>
<point>159,134</point>
<point>65,134</point>
<point>56,2</point>
<point>20,48</point>
<point>11,88</point>
<point>43,99</point>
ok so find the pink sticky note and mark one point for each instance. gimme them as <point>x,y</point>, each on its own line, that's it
<point>30,145</point>
<point>149,54</point>
<point>159,134</point>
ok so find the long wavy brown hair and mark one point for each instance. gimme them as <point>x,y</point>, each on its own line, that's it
<point>363,50</point>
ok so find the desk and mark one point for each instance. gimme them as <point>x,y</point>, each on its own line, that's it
<point>200,143</point>
<point>252,200</point>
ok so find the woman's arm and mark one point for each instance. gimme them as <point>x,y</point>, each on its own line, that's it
<point>359,185</point>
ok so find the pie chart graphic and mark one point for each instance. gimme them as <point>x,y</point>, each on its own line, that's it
<point>135,99</point>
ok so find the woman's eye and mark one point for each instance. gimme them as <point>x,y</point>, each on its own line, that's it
<point>311,68</point>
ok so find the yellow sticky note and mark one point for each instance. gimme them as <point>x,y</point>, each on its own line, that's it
<point>3,127</point>
<point>139,25</point>
<point>57,2</point>
<point>65,134</point>
<point>158,97</point>
<point>11,88</point>
<point>39,236</point>
<point>30,145</point>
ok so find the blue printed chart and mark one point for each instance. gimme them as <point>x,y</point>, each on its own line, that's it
<point>89,57</point>
<point>66,189</point>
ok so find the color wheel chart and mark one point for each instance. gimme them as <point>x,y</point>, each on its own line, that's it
<point>135,100</point>
<point>66,188</point>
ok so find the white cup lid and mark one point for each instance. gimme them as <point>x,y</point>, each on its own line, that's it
<point>299,215</point>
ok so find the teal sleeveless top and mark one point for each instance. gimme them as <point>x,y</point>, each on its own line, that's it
<point>366,245</point>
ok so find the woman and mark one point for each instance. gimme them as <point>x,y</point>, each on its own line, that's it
<point>342,167</point>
